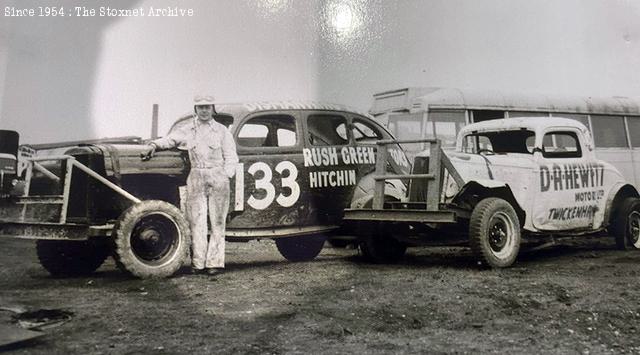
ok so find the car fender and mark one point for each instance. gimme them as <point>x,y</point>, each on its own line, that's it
<point>474,191</point>
<point>489,184</point>
<point>619,191</point>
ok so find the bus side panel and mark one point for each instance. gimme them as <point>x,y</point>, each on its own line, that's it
<point>622,159</point>
<point>635,156</point>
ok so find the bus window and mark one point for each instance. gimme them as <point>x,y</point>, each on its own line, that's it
<point>634,129</point>
<point>468,144</point>
<point>514,114</point>
<point>475,143</point>
<point>445,125</point>
<point>485,115</point>
<point>406,127</point>
<point>574,116</point>
<point>609,132</point>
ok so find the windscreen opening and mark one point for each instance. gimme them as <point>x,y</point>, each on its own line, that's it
<point>502,142</point>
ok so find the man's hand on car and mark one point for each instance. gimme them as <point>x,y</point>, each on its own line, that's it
<point>148,154</point>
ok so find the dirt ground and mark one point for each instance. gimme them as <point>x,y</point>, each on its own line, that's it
<point>579,297</point>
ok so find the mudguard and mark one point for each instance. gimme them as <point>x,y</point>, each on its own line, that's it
<point>619,190</point>
<point>483,188</point>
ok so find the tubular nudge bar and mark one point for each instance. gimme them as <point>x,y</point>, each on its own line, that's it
<point>26,199</point>
<point>430,211</point>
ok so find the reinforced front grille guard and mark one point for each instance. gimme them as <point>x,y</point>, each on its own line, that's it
<point>71,163</point>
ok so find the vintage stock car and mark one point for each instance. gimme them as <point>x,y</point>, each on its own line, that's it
<point>301,165</point>
<point>507,179</point>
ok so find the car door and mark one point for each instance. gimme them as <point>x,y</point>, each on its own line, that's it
<point>266,191</point>
<point>570,183</point>
<point>330,172</point>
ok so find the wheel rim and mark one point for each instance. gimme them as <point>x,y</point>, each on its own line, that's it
<point>500,235</point>
<point>634,228</point>
<point>155,238</point>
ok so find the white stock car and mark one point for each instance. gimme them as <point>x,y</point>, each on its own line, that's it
<point>509,178</point>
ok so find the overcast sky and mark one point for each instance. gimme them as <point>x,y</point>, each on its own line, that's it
<point>70,78</point>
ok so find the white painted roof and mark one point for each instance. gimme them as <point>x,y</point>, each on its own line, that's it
<point>535,124</point>
<point>241,110</point>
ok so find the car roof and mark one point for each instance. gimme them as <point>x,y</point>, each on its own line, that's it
<point>251,107</point>
<point>531,123</point>
<point>241,110</point>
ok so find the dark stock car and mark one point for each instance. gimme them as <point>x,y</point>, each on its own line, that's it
<point>301,165</point>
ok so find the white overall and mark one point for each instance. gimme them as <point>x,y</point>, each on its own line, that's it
<point>213,158</point>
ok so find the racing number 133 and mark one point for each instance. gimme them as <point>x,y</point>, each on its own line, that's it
<point>264,183</point>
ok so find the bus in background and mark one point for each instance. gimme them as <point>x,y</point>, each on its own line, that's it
<point>413,113</point>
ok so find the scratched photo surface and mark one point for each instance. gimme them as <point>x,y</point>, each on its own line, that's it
<point>307,89</point>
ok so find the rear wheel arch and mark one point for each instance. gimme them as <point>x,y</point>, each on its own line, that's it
<point>472,193</point>
<point>617,195</point>
<point>625,224</point>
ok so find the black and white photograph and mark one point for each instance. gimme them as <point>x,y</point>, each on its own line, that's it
<point>319,177</point>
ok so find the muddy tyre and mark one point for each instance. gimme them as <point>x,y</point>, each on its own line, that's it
<point>378,247</point>
<point>151,239</point>
<point>494,232</point>
<point>72,258</point>
<point>301,248</point>
<point>625,226</point>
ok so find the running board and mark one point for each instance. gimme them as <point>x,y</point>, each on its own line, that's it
<point>53,231</point>
<point>277,232</point>
<point>417,216</point>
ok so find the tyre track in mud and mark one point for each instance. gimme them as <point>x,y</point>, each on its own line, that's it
<point>576,297</point>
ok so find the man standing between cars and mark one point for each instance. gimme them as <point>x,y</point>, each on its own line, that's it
<point>212,153</point>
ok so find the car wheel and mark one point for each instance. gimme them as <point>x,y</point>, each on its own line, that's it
<point>300,248</point>
<point>377,246</point>
<point>625,226</point>
<point>151,239</point>
<point>494,232</point>
<point>72,258</point>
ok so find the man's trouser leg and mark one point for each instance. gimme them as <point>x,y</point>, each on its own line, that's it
<point>218,207</point>
<point>197,217</point>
